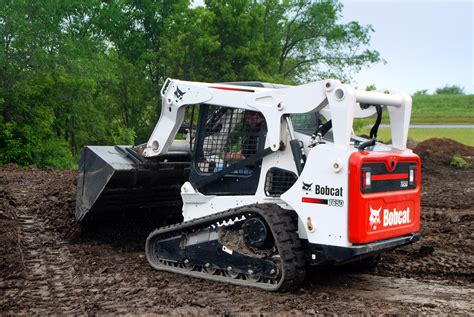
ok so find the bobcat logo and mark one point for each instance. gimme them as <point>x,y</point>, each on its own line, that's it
<point>374,218</point>
<point>306,186</point>
<point>178,93</point>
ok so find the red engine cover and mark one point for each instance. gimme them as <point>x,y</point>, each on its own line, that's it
<point>390,206</point>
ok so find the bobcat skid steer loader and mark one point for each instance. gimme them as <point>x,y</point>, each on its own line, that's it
<point>269,179</point>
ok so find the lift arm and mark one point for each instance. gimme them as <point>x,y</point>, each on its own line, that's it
<point>334,100</point>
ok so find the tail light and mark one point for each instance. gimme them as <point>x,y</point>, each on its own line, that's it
<point>412,175</point>
<point>366,178</point>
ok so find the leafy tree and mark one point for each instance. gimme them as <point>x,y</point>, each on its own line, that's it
<point>316,44</point>
<point>291,41</point>
<point>422,92</point>
<point>30,36</point>
<point>89,71</point>
<point>450,90</point>
<point>370,87</point>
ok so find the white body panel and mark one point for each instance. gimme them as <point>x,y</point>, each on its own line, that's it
<point>329,222</point>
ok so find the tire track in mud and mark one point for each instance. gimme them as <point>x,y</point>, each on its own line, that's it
<point>48,270</point>
<point>432,296</point>
<point>67,277</point>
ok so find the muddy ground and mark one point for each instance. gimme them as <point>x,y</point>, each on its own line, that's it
<point>49,265</point>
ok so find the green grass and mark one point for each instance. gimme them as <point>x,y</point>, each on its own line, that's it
<point>465,136</point>
<point>438,109</point>
<point>432,109</point>
<point>443,109</point>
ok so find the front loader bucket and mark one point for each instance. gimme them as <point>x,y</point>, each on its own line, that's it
<point>116,179</point>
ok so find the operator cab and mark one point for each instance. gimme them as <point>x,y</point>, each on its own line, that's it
<point>226,148</point>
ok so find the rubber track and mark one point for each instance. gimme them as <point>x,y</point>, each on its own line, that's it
<point>283,225</point>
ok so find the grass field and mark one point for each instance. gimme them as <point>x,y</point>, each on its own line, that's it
<point>465,136</point>
<point>439,109</point>
<point>443,109</point>
<point>432,109</point>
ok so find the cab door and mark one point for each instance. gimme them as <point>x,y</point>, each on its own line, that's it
<point>224,137</point>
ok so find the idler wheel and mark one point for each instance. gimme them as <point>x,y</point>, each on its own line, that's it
<point>256,234</point>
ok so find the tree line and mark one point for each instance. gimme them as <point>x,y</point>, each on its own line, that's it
<point>82,72</point>
<point>445,90</point>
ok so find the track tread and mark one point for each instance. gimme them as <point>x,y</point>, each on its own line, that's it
<point>284,229</point>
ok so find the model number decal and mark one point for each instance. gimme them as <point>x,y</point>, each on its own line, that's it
<point>329,202</point>
<point>336,202</point>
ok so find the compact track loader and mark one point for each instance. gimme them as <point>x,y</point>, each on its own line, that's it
<point>267,180</point>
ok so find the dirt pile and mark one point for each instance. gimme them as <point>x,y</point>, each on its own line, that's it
<point>440,151</point>
<point>445,186</point>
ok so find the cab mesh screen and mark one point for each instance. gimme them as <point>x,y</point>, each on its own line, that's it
<point>228,135</point>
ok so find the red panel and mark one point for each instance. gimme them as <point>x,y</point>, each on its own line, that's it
<point>378,216</point>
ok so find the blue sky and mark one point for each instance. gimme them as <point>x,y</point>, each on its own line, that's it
<point>426,44</point>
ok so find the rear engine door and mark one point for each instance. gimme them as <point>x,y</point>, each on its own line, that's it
<point>384,195</point>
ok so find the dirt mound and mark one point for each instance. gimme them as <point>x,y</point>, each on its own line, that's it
<point>411,143</point>
<point>444,186</point>
<point>440,151</point>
